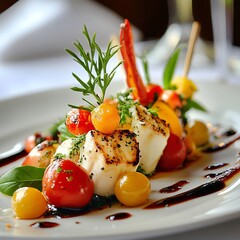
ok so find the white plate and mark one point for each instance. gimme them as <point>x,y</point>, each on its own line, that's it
<point>21,116</point>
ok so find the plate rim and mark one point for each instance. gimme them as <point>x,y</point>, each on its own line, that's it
<point>154,232</point>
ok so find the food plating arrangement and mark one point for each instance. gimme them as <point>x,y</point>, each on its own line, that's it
<point>109,152</point>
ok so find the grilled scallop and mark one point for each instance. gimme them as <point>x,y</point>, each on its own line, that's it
<point>106,157</point>
<point>152,134</point>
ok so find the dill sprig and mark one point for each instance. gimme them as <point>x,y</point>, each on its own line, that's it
<point>95,63</point>
<point>125,102</point>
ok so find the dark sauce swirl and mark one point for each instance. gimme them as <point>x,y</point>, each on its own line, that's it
<point>118,216</point>
<point>216,166</point>
<point>44,224</point>
<point>205,189</point>
<point>174,188</point>
<point>220,146</point>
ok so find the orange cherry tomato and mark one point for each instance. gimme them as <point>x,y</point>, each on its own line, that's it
<point>110,101</point>
<point>105,118</point>
<point>78,121</point>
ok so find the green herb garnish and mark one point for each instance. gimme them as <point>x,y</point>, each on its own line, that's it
<point>77,143</point>
<point>141,170</point>
<point>59,156</point>
<point>125,102</point>
<point>95,63</point>
<point>170,68</point>
<point>191,104</point>
<point>153,111</point>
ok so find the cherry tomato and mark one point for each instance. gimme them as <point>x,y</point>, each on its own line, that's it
<point>41,155</point>
<point>28,203</point>
<point>106,118</point>
<point>110,101</point>
<point>185,86</point>
<point>190,146</point>
<point>132,189</point>
<point>154,92</point>
<point>199,133</point>
<point>174,154</point>
<point>33,140</point>
<point>172,98</point>
<point>65,184</point>
<point>78,121</point>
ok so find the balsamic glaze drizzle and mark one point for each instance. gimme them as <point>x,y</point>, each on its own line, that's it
<point>174,188</point>
<point>118,216</point>
<point>220,146</point>
<point>44,224</point>
<point>205,189</point>
<point>216,166</point>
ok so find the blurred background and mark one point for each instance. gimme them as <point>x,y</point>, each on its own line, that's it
<point>152,17</point>
<point>34,34</point>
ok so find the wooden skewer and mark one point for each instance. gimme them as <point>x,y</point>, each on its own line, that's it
<point>193,37</point>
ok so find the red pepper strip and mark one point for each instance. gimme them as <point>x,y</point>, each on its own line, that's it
<point>134,79</point>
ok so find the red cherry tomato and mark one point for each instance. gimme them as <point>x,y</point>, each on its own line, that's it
<point>78,121</point>
<point>40,156</point>
<point>33,140</point>
<point>174,154</point>
<point>153,90</point>
<point>65,184</point>
<point>172,98</point>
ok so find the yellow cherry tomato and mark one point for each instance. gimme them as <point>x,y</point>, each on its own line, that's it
<point>132,189</point>
<point>28,203</point>
<point>105,118</point>
<point>190,145</point>
<point>166,113</point>
<point>199,133</point>
<point>185,86</point>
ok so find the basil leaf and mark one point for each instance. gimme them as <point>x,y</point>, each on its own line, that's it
<point>193,104</point>
<point>169,69</point>
<point>23,176</point>
<point>64,133</point>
